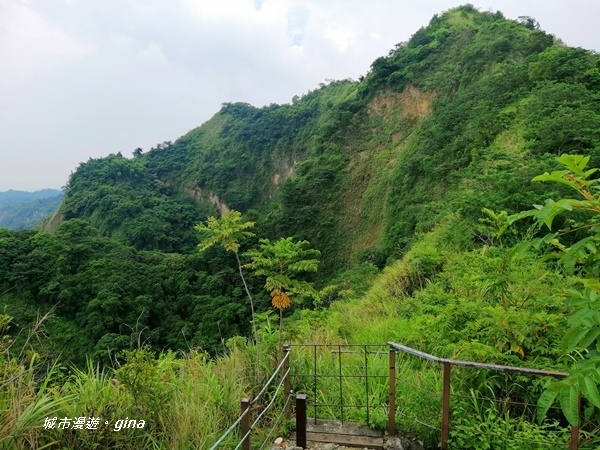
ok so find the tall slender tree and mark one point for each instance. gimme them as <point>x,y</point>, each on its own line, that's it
<point>279,262</point>
<point>229,231</point>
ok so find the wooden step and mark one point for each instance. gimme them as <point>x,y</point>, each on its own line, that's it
<point>345,440</point>
<point>348,434</point>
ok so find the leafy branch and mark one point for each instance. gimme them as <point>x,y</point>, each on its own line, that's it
<point>581,259</point>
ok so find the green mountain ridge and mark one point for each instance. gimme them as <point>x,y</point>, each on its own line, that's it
<point>459,118</point>
<point>372,162</point>
<point>15,196</point>
<point>404,180</point>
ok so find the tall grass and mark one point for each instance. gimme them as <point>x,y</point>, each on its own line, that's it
<point>186,401</point>
<point>24,401</point>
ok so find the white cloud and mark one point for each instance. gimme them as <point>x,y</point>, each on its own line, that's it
<point>244,11</point>
<point>28,41</point>
<point>153,55</point>
<point>341,37</point>
<point>296,24</point>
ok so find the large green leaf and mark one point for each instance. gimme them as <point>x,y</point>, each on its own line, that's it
<point>574,254</point>
<point>545,402</point>
<point>586,317</point>
<point>569,403</point>
<point>558,177</point>
<point>590,389</point>
<point>571,339</point>
<point>590,283</point>
<point>591,335</point>
<point>576,164</point>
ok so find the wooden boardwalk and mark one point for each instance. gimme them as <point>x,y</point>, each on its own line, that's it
<point>348,434</point>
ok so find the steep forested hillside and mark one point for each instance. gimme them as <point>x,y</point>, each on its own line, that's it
<point>459,118</point>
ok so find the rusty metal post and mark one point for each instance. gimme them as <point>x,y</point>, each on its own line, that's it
<point>392,401</point>
<point>287,388</point>
<point>367,381</point>
<point>446,406</point>
<point>574,441</point>
<point>301,420</point>
<point>315,374</point>
<point>245,425</point>
<point>341,385</point>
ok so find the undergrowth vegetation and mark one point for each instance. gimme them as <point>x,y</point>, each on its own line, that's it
<point>184,400</point>
<point>465,304</point>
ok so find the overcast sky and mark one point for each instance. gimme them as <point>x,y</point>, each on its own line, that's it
<point>85,78</point>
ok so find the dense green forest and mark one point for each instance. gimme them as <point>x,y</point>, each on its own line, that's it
<point>396,207</point>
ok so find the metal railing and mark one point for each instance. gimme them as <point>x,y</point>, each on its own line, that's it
<point>446,391</point>
<point>309,380</point>
<point>244,421</point>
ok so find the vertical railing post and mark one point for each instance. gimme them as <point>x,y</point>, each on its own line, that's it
<point>574,441</point>
<point>341,384</point>
<point>287,388</point>
<point>245,424</point>
<point>446,405</point>
<point>367,381</point>
<point>392,402</point>
<point>315,373</point>
<point>301,420</point>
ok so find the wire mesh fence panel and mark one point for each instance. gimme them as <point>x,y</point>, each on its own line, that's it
<point>419,398</point>
<point>346,382</point>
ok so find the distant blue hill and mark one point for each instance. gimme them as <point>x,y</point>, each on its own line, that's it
<point>21,210</point>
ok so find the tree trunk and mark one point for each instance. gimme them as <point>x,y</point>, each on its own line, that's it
<point>237,257</point>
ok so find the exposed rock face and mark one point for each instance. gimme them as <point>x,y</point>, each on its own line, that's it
<point>210,197</point>
<point>411,101</point>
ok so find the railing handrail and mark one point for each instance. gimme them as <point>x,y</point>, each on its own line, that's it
<point>335,345</point>
<point>230,429</point>
<point>256,398</point>
<point>457,362</point>
<point>284,363</point>
<point>268,383</point>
